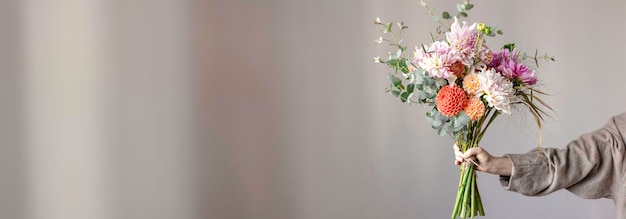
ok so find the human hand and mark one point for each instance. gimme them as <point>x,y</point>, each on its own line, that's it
<point>484,161</point>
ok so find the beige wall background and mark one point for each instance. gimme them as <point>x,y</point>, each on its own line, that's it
<point>269,109</point>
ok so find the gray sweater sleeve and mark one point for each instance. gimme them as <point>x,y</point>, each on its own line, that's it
<point>590,166</point>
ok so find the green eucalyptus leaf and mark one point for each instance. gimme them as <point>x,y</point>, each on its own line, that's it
<point>456,135</point>
<point>437,123</point>
<point>419,79</point>
<point>462,118</point>
<point>419,87</point>
<point>441,82</point>
<point>421,95</point>
<point>428,90</point>
<point>510,47</point>
<point>402,62</point>
<point>458,128</point>
<point>395,93</point>
<point>441,132</point>
<point>445,15</point>
<point>404,96</point>
<point>449,126</point>
<point>410,88</point>
<point>463,14</point>
<point>469,6</point>
<point>395,80</point>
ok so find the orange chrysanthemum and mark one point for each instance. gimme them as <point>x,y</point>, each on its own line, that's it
<point>475,109</point>
<point>451,100</point>
<point>471,84</point>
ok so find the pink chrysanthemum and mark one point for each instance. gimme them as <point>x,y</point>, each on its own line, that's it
<point>475,109</point>
<point>451,100</point>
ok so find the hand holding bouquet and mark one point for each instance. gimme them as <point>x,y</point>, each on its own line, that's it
<point>464,84</point>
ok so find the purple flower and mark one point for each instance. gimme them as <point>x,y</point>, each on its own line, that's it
<point>510,66</point>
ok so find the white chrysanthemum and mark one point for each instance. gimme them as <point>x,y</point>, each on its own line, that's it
<point>497,90</point>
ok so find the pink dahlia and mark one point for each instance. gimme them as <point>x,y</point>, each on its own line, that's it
<point>462,39</point>
<point>436,60</point>
<point>510,66</point>
<point>451,100</point>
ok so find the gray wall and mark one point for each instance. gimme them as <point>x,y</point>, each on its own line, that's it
<point>269,109</point>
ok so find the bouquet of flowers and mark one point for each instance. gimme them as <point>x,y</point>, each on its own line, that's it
<point>464,85</point>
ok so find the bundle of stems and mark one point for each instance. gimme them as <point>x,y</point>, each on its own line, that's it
<point>468,202</point>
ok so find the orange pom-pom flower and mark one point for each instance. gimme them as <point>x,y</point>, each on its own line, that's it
<point>475,109</point>
<point>451,100</point>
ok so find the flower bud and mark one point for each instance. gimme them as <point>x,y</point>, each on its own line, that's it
<point>480,27</point>
<point>487,30</point>
<point>377,21</point>
<point>377,59</point>
<point>379,40</point>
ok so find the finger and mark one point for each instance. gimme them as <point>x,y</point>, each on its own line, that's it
<point>472,152</point>
<point>459,158</point>
<point>457,150</point>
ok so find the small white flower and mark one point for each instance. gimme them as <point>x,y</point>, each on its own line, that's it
<point>377,21</point>
<point>377,59</point>
<point>379,40</point>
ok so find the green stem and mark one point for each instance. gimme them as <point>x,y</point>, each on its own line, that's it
<point>468,176</point>
<point>473,210</point>
<point>493,117</point>
<point>481,211</point>
<point>459,197</point>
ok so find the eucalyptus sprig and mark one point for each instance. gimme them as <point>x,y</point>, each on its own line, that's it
<point>461,11</point>
<point>398,60</point>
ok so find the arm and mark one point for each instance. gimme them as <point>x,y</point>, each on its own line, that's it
<point>590,167</point>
